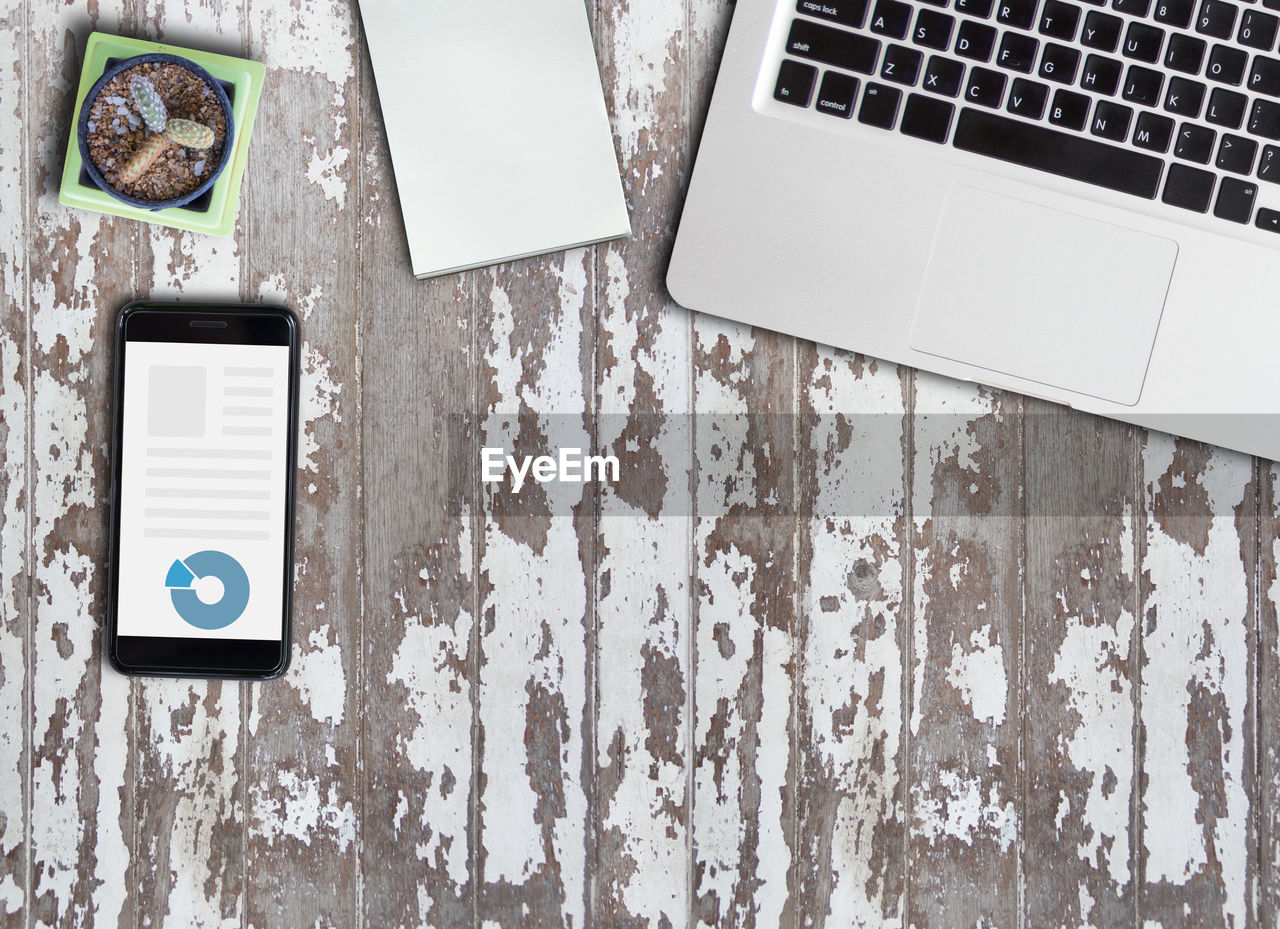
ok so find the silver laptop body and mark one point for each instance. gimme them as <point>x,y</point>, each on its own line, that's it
<point>1059,254</point>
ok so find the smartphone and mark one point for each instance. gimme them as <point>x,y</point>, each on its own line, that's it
<point>202,497</point>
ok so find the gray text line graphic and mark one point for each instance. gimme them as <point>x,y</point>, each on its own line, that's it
<point>158,513</point>
<point>209,452</point>
<point>247,372</point>
<point>247,410</point>
<point>207,493</point>
<point>238,534</point>
<point>247,392</point>
<point>218,473</point>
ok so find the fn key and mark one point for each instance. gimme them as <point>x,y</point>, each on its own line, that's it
<point>879,106</point>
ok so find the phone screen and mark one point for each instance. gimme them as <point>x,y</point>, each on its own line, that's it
<point>204,495</point>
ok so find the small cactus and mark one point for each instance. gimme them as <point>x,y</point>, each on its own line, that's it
<point>189,134</point>
<point>149,104</point>
<point>143,157</point>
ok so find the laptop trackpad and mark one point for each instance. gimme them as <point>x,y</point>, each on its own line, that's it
<point>1042,294</point>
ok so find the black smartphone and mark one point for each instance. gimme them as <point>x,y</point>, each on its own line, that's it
<point>202,497</point>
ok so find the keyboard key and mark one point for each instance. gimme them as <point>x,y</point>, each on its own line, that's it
<point>891,18</point>
<point>1195,143</point>
<point>1269,165</point>
<point>1077,157</point>
<point>927,118</point>
<point>1227,64</point>
<point>1101,75</point>
<point>851,13</point>
<point>1216,18</point>
<point>979,8</point>
<point>1185,53</point>
<point>1268,220</point>
<point>943,76</point>
<point>837,93</point>
<point>1235,200</point>
<point>1184,97</point>
<point>1132,7</point>
<point>1188,188</point>
<point>1143,42</point>
<point>1154,133</point>
<point>1111,121</point>
<point>1226,108</point>
<point>1142,85</point>
<point>795,83</point>
<point>1069,109</point>
<point>1018,13</point>
<point>1235,154</point>
<point>986,87</point>
<point>833,46</point>
<point>1176,13</point>
<point>879,106</point>
<point>933,30</point>
<point>1101,31</point>
<point>1264,119</point>
<point>1258,30</point>
<point>976,41</point>
<point>1027,98</point>
<point>1059,63</point>
<point>901,65</point>
<point>1265,76</point>
<point>1059,20</point>
<point>1017,52</point>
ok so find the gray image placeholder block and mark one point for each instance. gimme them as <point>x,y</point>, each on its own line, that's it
<point>175,401</point>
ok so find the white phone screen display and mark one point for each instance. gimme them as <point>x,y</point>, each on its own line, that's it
<point>203,490</point>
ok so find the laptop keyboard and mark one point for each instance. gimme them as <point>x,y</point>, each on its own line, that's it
<point>1176,100</point>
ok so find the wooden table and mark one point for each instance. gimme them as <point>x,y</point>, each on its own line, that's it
<point>870,648</point>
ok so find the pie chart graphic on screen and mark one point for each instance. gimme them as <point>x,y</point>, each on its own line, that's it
<point>209,589</point>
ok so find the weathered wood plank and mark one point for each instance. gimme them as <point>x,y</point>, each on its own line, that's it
<point>1266,861</point>
<point>965,657</point>
<point>1196,721</point>
<point>536,584</point>
<point>643,690</point>
<point>850,798</point>
<point>419,629</point>
<point>1084,517</point>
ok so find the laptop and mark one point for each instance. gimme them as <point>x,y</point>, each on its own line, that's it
<point>1077,200</point>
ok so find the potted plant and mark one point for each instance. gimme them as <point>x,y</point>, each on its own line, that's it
<point>155,131</point>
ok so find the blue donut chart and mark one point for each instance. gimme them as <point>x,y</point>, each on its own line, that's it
<point>210,563</point>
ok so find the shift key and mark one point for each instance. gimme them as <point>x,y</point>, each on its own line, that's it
<point>833,46</point>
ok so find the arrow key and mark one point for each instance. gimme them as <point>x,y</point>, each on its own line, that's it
<point>1235,200</point>
<point>1268,220</point>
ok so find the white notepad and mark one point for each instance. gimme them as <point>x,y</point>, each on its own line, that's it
<point>499,135</point>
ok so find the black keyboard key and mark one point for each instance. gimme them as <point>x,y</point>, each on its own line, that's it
<point>1185,53</point>
<point>1017,52</point>
<point>1143,42</point>
<point>1188,188</point>
<point>933,30</point>
<point>986,87</point>
<point>1226,64</point>
<point>836,94</point>
<point>1195,143</point>
<point>979,8</point>
<point>891,18</point>
<point>795,83</point>
<point>1027,98</point>
<point>1271,4</point>
<point>1132,7</point>
<point>1184,97</point>
<point>1059,63</point>
<point>1269,164</point>
<point>1154,133</point>
<point>1226,108</point>
<point>1142,85</point>
<point>1268,220</point>
<point>1101,31</point>
<point>833,46</point>
<point>851,13</point>
<point>1236,154</point>
<point>1069,109</point>
<point>976,41</point>
<point>1064,154</point>
<point>1216,18</point>
<point>943,76</point>
<point>879,106</point>
<point>1264,78</point>
<point>1017,13</point>
<point>1111,121</point>
<point>1264,119</point>
<point>1176,13</point>
<point>1059,20</point>
<point>1258,30</point>
<point>1101,75</point>
<point>927,118</point>
<point>1235,200</point>
<point>901,65</point>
